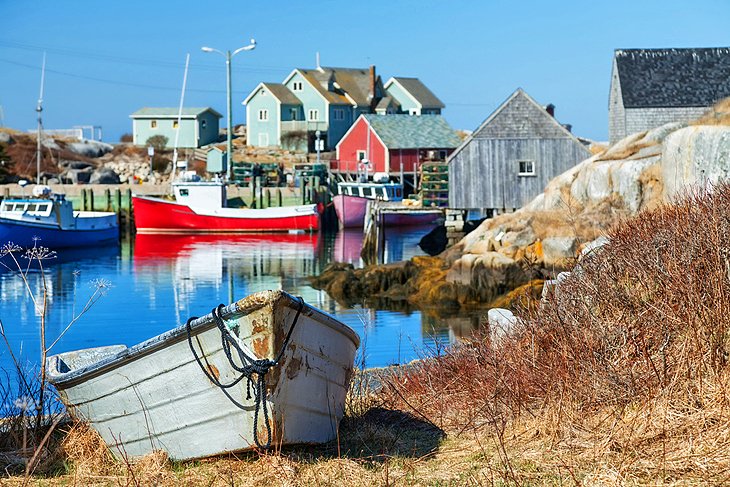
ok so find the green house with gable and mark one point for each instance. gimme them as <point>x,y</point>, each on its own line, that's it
<point>197,126</point>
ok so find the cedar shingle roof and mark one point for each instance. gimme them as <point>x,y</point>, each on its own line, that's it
<point>420,92</point>
<point>283,94</point>
<point>353,81</point>
<point>661,78</point>
<point>413,132</point>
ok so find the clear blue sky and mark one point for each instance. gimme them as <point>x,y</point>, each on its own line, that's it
<point>107,59</point>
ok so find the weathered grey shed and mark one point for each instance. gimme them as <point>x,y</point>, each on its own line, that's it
<point>510,158</point>
<point>652,87</point>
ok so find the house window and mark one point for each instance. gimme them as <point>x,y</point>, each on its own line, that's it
<point>297,86</point>
<point>360,155</point>
<point>203,123</point>
<point>153,124</point>
<point>339,114</point>
<point>414,111</point>
<point>262,92</point>
<point>174,124</point>
<point>313,115</point>
<point>293,112</point>
<point>263,115</point>
<point>526,168</point>
<point>442,155</point>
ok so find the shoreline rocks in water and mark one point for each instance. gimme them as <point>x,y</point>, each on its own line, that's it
<point>546,236</point>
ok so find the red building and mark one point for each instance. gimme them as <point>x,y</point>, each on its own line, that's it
<point>394,143</point>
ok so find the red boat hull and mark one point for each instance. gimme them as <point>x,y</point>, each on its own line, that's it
<point>154,215</point>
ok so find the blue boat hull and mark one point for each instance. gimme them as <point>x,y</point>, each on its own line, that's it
<point>27,235</point>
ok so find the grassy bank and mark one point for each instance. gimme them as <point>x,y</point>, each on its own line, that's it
<point>619,377</point>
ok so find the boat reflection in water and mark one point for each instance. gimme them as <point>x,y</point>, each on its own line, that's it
<point>213,268</point>
<point>400,244</point>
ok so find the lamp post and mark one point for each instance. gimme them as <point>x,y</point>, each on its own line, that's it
<point>229,135</point>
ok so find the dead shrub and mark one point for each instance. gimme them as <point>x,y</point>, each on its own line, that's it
<point>625,360</point>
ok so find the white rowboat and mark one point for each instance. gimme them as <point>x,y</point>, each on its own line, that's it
<point>157,396</point>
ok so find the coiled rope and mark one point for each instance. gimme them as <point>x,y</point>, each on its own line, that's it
<point>251,366</point>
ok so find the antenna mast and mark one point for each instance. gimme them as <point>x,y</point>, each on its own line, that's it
<point>39,109</point>
<point>179,117</point>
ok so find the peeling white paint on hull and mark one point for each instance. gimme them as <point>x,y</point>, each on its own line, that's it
<point>154,396</point>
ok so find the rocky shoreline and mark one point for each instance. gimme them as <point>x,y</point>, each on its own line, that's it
<point>543,238</point>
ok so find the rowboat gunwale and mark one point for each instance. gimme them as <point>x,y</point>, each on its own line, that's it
<point>249,304</point>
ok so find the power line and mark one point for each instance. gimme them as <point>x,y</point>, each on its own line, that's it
<point>139,61</point>
<point>115,82</point>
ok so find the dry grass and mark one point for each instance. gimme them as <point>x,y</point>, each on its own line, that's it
<point>622,373</point>
<point>620,377</point>
<point>719,114</point>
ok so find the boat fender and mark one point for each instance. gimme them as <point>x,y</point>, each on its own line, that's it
<point>252,366</point>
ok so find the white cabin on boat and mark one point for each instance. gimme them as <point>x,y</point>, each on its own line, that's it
<point>372,191</point>
<point>201,194</point>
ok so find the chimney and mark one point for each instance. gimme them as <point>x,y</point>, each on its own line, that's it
<point>550,109</point>
<point>372,81</point>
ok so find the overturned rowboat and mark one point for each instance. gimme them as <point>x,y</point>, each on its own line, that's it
<point>266,370</point>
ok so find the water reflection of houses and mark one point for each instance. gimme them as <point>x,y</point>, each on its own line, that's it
<point>59,282</point>
<point>231,266</point>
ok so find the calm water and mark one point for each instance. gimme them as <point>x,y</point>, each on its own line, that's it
<point>155,283</point>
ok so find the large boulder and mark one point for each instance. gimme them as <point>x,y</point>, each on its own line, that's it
<point>695,156</point>
<point>104,176</point>
<point>90,148</point>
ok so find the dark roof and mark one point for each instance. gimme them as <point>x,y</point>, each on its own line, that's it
<point>355,82</point>
<point>413,132</point>
<point>420,92</point>
<point>147,112</point>
<point>673,77</point>
<point>283,94</point>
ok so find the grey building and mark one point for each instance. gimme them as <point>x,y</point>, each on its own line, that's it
<point>652,87</point>
<point>510,158</point>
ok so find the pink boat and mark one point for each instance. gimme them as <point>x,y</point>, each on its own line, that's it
<point>200,207</point>
<point>352,201</point>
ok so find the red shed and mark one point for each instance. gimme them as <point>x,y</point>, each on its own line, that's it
<point>395,142</point>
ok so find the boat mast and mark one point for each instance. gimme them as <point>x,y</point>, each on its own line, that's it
<point>39,109</point>
<point>179,117</point>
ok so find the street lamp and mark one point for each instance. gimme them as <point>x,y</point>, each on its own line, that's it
<point>229,135</point>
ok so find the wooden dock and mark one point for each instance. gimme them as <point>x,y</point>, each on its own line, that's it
<point>373,244</point>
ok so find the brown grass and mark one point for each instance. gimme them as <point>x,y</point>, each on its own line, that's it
<point>622,373</point>
<point>719,114</point>
<point>620,376</point>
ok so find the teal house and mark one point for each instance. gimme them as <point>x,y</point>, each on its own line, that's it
<point>320,103</point>
<point>414,97</point>
<point>197,126</point>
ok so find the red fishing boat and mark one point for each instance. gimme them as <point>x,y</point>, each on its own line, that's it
<point>200,207</point>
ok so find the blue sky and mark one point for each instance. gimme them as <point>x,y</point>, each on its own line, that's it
<point>108,59</point>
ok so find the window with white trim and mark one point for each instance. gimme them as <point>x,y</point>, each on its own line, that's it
<point>313,115</point>
<point>153,124</point>
<point>361,155</point>
<point>293,113</point>
<point>174,124</point>
<point>297,86</point>
<point>526,168</point>
<point>263,115</point>
<point>203,124</point>
<point>338,114</point>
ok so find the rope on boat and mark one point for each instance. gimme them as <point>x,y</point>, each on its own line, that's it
<point>251,366</point>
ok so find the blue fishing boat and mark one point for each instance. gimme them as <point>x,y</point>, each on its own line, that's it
<point>49,220</point>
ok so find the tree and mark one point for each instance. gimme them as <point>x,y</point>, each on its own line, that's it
<point>127,138</point>
<point>6,165</point>
<point>158,142</point>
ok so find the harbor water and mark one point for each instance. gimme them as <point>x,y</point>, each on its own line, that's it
<point>153,283</point>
